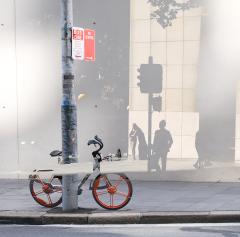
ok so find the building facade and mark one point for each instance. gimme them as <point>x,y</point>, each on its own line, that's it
<point>198,97</point>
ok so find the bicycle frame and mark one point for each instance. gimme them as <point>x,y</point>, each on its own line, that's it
<point>96,172</point>
<point>51,184</point>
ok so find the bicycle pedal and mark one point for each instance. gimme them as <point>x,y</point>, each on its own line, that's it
<point>80,191</point>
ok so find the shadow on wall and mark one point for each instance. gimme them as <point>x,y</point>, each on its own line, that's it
<point>158,150</point>
<point>161,146</point>
<point>150,82</point>
<point>103,110</point>
<point>203,155</point>
<point>137,135</point>
<point>167,10</point>
<point>216,84</point>
<point>213,141</point>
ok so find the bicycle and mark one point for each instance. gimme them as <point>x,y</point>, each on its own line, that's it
<point>111,191</point>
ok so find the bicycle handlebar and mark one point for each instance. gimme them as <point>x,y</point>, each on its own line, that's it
<point>99,140</point>
<point>96,141</point>
<point>92,142</point>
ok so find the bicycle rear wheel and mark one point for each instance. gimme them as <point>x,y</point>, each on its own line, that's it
<point>47,193</point>
<point>112,191</point>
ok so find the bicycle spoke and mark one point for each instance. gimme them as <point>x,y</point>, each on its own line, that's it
<point>57,186</point>
<point>50,181</point>
<point>57,189</point>
<point>107,181</point>
<point>118,182</point>
<point>49,199</point>
<point>121,194</point>
<point>101,193</point>
<point>39,192</point>
<point>111,200</point>
<point>40,181</point>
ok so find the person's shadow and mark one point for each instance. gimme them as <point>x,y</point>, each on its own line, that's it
<point>203,157</point>
<point>137,134</point>
<point>198,145</point>
<point>161,146</point>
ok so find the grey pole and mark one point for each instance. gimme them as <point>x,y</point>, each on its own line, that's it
<point>150,99</point>
<point>150,111</point>
<point>69,113</point>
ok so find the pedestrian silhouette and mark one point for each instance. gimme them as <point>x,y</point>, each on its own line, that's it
<point>203,158</point>
<point>161,146</point>
<point>133,141</point>
<point>200,160</point>
<point>137,134</point>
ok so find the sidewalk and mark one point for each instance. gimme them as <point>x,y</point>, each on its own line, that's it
<point>152,202</point>
<point>177,170</point>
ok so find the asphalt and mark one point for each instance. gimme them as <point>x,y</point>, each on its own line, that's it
<point>152,202</point>
<point>148,230</point>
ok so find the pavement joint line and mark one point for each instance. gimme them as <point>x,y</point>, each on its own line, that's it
<point>146,225</point>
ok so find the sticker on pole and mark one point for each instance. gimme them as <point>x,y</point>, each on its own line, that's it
<point>89,45</point>
<point>77,43</point>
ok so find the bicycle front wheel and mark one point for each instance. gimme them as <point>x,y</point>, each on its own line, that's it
<point>47,193</point>
<point>112,191</point>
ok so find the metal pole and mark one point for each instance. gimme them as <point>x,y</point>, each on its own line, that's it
<point>150,110</point>
<point>150,98</point>
<point>69,113</point>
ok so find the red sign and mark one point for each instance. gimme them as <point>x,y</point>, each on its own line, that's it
<point>77,33</point>
<point>89,45</point>
<point>77,43</point>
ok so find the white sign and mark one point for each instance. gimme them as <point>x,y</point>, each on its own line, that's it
<point>77,43</point>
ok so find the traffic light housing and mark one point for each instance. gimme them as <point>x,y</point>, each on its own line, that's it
<point>150,76</point>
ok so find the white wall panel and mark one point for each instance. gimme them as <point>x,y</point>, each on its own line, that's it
<point>39,79</point>
<point>8,89</point>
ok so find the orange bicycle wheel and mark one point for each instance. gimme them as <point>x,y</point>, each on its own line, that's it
<point>112,191</point>
<point>46,193</point>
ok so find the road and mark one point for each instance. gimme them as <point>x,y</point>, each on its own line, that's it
<point>177,230</point>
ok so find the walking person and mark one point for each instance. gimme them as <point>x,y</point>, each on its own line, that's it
<point>138,135</point>
<point>133,141</point>
<point>161,146</point>
<point>203,158</point>
<point>200,161</point>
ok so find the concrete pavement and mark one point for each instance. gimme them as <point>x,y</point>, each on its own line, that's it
<point>177,170</point>
<point>152,202</point>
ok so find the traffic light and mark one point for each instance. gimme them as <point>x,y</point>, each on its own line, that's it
<point>150,76</point>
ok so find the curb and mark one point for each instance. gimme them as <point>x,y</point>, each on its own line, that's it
<point>44,218</point>
<point>25,218</point>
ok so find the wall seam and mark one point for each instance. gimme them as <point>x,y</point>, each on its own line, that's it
<point>17,95</point>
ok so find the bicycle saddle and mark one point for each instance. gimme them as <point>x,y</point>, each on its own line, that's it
<point>56,153</point>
